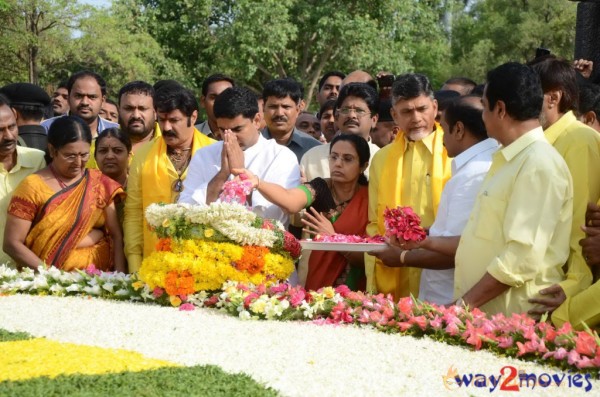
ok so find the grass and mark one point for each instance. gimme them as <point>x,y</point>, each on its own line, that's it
<point>7,336</point>
<point>173,381</point>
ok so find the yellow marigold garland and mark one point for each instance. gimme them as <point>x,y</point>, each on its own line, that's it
<point>210,264</point>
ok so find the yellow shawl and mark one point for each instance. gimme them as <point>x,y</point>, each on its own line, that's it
<point>404,281</point>
<point>158,176</point>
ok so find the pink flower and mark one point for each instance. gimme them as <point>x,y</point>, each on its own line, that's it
<point>573,357</point>
<point>249,298</point>
<point>404,326</point>
<point>279,288</point>
<point>343,290</point>
<point>421,321</point>
<point>405,306</point>
<point>187,307</point>
<point>297,298</point>
<point>157,292</point>
<point>92,271</point>
<point>585,344</point>
<point>436,323</point>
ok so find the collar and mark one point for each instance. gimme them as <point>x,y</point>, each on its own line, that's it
<point>555,130</point>
<point>24,160</point>
<point>256,148</point>
<point>295,138</point>
<point>509,152</point>
<point>466,156</point>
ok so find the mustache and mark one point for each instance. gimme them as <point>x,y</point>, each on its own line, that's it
<point>8,142</point>
<point>131,121</point>
<point>279,118</point>
<point>351,122</point>
<point>170,133</point>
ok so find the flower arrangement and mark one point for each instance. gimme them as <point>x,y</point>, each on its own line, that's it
<point>515,336</point>
<point>349,238</point>
<point>403,223</point>
<point>201,247</point>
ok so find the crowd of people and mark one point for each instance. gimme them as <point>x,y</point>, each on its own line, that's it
<point>504,176</point>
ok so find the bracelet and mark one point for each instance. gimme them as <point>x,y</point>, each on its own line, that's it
<point>403,256</point>
<point>257,184</point>
<point>460,302</point>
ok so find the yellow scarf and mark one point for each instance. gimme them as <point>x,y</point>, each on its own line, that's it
<point>404,281</point>
<point>158,177</point>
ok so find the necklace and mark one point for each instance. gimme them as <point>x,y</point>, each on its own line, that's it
<point>61,183</point>
<point>178,155</point>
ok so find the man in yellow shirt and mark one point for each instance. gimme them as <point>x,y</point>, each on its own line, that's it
<point>160,167</point>
<point>16,162</point>
<point>517,238</point>
<point>579,145</point>
<point>411,171</point>
<point>585,306</point>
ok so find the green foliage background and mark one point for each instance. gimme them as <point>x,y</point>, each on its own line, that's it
<point>44,41</point>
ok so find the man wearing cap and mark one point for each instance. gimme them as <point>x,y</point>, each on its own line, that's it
<point>28,102</point>
<point>16,163</point>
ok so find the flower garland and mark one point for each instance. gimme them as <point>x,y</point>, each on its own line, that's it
<point>514,336</point>
<point>196,265</point>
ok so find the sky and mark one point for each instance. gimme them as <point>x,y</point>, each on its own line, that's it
<point>97,3</point>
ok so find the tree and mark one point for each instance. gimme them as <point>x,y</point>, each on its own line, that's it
<point>494,32</point>
<point>256,41</point>
<point>33,33</point>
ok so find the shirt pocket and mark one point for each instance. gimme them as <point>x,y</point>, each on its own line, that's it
<point>489,218</point>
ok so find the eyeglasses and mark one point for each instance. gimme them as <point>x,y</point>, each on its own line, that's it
<point>358,111</point>
<point>73,156</point>
<point>346,159</point>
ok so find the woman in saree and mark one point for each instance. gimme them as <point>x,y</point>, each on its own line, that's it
<point>113,154</point>
<point>338,204</point>
<point>64,215</point>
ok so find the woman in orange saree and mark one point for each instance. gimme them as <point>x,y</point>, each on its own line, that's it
<point>338,204</point>
<point>64,215</point>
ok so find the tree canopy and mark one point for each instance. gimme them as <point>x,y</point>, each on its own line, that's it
<point>43,41</point>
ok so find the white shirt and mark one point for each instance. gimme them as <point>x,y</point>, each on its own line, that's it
<point>266,159</point>
<point>458,198</point>
<point>315,162</point>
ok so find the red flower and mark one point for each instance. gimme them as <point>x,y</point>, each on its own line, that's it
<point>291,245</point>
<point>585,344</point>
<point>403,223</point>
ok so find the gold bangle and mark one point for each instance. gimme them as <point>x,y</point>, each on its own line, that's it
<point>403,256</point>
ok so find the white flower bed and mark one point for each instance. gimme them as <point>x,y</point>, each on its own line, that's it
<point>298,359</point>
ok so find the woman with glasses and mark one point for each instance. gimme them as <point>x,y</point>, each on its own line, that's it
<point>338,204</point>
<point>64,215</point>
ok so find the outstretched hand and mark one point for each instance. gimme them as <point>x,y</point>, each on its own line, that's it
<point>244,173</point>
<point>317,223</point>
<point>404,244</point>
<point>584,66</point>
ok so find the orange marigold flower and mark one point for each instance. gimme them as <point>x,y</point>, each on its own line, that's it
<point>163,244</point>
<point>179,283</point>
<point>253,259</point>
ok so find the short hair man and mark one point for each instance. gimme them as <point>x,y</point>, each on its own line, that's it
<point>466,140</point>
<point>236,111</point>
<point>462,85</point>
<point>282,106</point>
<point>87,93</point>
<point>16,162</point>
<point>589,105</point>
<point>309,123</point>
<point>411,171</point>
<point>137,116</point>
<point>579,145</point>
<point>212,86</point>
<point>517,238</point>
<point>109,111</point>
<point>28,102</point>
<point>329,86</point>
<point>384,131</point>
<point>60,99</point>
<point>356,113</point>
<point>159,168</point>
<point>326,117</point>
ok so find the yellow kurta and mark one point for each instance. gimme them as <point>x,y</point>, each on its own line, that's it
<point>150,181</point>
<point>579,146</point>
<point>519,228</point>
<point>407,174</point>
<point>29,160</point>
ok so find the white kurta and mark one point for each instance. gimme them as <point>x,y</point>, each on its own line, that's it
<point>458,198</point>
<point>266,159</point>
